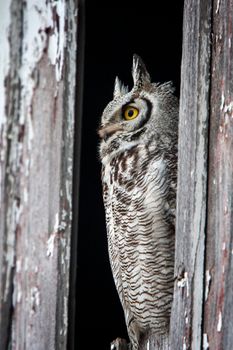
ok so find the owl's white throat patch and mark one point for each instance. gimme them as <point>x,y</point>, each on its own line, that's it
<point>125,146</point>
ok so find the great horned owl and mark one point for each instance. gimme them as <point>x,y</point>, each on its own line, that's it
<point>138,151</point>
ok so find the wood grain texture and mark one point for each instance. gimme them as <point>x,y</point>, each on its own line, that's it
<point>186,319</point>
<point>9,160</point>
<point>36,182</point>
<point>218,317</point>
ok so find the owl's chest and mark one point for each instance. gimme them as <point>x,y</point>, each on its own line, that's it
<point>123,170</point>
<point>131,181</point>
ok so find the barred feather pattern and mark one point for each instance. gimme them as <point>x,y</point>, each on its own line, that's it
<point>139,162</point>
<point>140,225</point>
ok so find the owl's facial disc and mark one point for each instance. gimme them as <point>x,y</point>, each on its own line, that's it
<point>135,114</point>
<point>125,121</point>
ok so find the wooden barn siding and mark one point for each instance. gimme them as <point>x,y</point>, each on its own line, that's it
<point>202,315</point>
<point>218,306</point>
<point>38,76</point>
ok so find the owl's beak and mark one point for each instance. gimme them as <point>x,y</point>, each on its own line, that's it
<point>108,130</point>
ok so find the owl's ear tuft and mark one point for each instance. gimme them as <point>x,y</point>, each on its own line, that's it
<point>139,72</point>
<point>119,89</point>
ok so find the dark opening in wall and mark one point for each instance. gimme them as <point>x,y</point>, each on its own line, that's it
<point>113,32</point>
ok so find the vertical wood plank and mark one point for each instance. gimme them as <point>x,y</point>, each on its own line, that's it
<point>10,32</point>
<point>218,321</point>
<point>186,319</point>
<point>36,181</point>
<point>80,56</point>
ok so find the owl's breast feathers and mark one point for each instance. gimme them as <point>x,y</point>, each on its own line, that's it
<point>139,202</point>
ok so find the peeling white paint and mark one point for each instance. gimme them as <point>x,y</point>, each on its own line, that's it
<point>218,5</point>
<point>219,326</point>
<point>51,240</point>
<point>36,17</point>
<point>63,226</point>
<point>184,344</point>
<point>64,214</point>
<point>35,299</point>
<point>56,224</point>
<point>222,101</point>
<point>25,195</point>
<point>224,246</point>
<point>27,163</point>
<point>181,283</point>
<point>26,264</point>
<point>18,265</point>
<point>184,283</point>
<point>148,345</point>
<point>63,223</point>
<point>207,283</point>
<point>205,342</point>
<point>30,131</point>
<point>50,245</point>
<point>19,293</point>
<point>57,40</point>
<point>68,191</point>
<point>228,108</point>
<point>44,24</point>
<point>186,317</point>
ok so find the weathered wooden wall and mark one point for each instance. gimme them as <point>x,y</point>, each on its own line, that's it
<point>186,322</point>
<point>37,95</point>
<point>203,300</point>
<point>218,305</point>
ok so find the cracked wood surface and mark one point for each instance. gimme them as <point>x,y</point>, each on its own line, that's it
<point>36,172</point>
<point>186,319</point>
<point>203,300</point>
<point>218,315</point>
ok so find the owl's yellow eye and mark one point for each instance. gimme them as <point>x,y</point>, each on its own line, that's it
<point>130,113</point>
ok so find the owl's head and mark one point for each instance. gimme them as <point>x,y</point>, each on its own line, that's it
<point>134,117</point>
